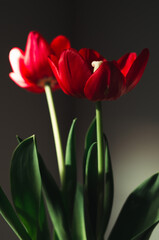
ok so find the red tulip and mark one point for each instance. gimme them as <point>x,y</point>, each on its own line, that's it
<point>31,69</point>
<point>108,80</point>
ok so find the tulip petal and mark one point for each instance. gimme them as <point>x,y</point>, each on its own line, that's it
<point>35,89</point>
<point>21,83</point>
<point>54,59</point>
<point>89,56</point>
<point>54,65</point>
<point>97,85</point>
<point>16,57</point>
<point>18,80</point>
<point>73,73</point>
<point>36,57</point>
<point>137,69</point>
<point>117,82</point>
<point>106,83</point>
<point>59,44</point>
<point>125,62</point>
<point>54,68</point>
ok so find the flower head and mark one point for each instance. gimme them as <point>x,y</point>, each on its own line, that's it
<point>31,69</point>
<point>87,74</point>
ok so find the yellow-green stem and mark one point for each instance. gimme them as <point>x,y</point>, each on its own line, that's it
<point>99,139</point>
<point>100,152</point>
<point>56,133</point>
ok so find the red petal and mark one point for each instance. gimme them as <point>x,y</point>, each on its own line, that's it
<point>16,57</point>
<point>59,44</point>
<point>117,82</point>
<point>106,83</point>
<point>36,57</point>
<point>137,69</point>
<point>23,84</point>
<point>54,68</point>
<point>53,64</point>
<point>97,85</point>
<point>73,73</point>
<point>35,89</point>
<point>52,60</point>
<point>125,62</point>
<point>89,56</point>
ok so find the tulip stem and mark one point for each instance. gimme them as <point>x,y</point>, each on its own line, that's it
<point>99,139</point>
<point>56,133</point>
<point>100,155</point>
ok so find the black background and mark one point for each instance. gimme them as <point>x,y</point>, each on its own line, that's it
<point>131,123</point>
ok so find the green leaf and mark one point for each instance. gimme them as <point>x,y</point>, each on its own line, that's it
<point>90,138</point>
<point>54,203</point>
<point>108,190</point>
<point>79,231</point>
<point>146,235</point>
<point>55,237</point>
<point>43,231</point>
<point>91,192</point>
<point>98,216</point>
<point>27,190</point>
<point>19,140</point>
<point>140,213</point>
<point>8,213</point>
<point>70,180</point>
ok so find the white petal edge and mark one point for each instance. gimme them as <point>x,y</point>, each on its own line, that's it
<point>14,57</point>
<point>18,80</point>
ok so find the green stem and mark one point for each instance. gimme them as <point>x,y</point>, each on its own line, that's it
<point>56,133</point>
<point>99,139</point>
<point>100,152</point>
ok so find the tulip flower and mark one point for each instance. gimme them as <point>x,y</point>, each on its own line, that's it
<point>86,74</point>
<point>31,69</point>
<point>32,72</point>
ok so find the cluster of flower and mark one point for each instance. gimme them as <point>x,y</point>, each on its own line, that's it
<point>84,73</point>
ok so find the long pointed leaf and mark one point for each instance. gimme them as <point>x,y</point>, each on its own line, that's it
<point>27,190</point>
<point>54,203</point>
<point>55,237</point>
<point>43,229</point>
<point>140,213</point>
<point>91,192</point>
<point>70,180</point>
<point>90,138</point>
<point>8,213</point>
<point>44,233</point>
<point>108,190</point>
<point>145,235</point>
<point>79,231</point>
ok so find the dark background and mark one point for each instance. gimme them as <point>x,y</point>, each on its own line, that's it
<point>131,123</point>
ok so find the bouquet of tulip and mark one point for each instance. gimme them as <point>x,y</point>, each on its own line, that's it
<point>76,211</point>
